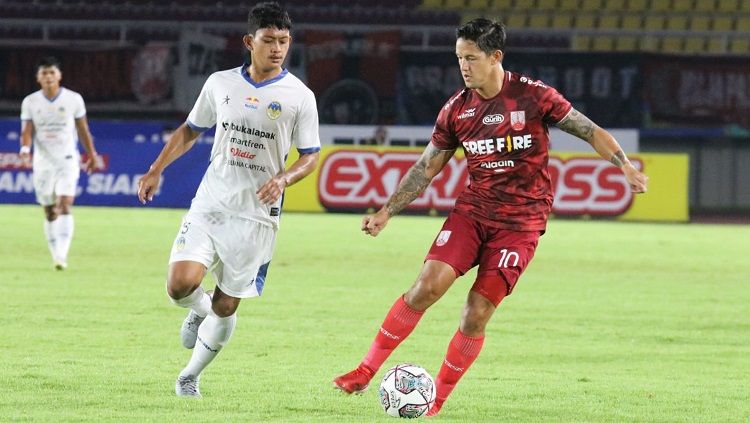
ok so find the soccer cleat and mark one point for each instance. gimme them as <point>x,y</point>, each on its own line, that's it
<point>187,387</point>
<point>189,330</point>
<point>60,265</point>
<point>354,382</point>
<point>435,409</point>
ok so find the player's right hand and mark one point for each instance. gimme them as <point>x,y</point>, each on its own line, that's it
<point>372,224</point>
<point>25,159</point>
<point>147,186</point>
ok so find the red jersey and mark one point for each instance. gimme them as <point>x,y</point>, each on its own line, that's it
<point>506,141</point>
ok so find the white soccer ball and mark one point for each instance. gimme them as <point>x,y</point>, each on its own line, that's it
<point>408,391</point>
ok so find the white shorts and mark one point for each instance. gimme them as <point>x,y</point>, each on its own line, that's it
<point>237,251</point>
<point>52,183</point>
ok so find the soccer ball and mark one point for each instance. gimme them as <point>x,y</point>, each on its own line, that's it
<point>408,391</point>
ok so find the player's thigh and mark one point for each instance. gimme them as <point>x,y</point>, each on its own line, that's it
<point>457,244</point>
<point>192,253</point>
<point>44,186</point>
<point>244,249</point>
<point>504,257</point>
<point>66,184</point>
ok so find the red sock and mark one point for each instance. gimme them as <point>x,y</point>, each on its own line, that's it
<point>398,324</point>
<point>462,351</point>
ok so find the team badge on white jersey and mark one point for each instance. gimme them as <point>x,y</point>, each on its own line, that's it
<point>274,110</point>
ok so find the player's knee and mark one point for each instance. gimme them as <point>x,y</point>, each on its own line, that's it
<point>180,284</point>
<point>422,295</point>
<point>476,315</point>
<point>225,306</point>
<point>63,208</point>
<point>50,213</point>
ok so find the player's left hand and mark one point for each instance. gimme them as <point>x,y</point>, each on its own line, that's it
<point>93,163</point>
<point>637,180</point>
<point>270,192</point>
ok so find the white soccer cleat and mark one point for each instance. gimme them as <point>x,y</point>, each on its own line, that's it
<point>60,265</point>
<point>187,387</point>
<point>189,331</point>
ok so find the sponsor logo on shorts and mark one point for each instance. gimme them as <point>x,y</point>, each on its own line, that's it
<point>275,211</point>
<point>442,238</point>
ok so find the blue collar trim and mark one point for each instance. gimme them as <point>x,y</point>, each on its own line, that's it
<point>264,83</point>
<point>52,100</point>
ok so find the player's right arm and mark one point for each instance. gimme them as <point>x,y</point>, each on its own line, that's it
<point>27,134</point>
<point>181,140</point>
<point>412,186</point>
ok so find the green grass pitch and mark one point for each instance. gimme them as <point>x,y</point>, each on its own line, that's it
<point>612,322</point>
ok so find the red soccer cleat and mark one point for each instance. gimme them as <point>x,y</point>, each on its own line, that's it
<point>354,382</point>
<point>435,409</point>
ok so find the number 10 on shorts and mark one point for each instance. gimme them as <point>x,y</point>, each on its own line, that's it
<point>506,257</point>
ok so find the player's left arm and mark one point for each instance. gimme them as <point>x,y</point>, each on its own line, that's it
<point>305,165</point>
<point>84,136</point>
<point>576,123</point>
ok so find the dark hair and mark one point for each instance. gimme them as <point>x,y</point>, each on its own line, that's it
<point>267,15</point>
<point>48,62</point>
<point>489,35</point>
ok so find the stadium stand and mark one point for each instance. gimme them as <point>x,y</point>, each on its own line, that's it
<point>669,26</point>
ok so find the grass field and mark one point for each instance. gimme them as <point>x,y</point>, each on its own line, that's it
<point>611,323</point>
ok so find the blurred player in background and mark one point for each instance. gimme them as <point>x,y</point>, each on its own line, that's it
<point>53,119</point>
<point>260,110</point>
<point>501,120</point>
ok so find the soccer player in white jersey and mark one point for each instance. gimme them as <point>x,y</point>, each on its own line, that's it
<point>260,110</point>
<point>53,119</point>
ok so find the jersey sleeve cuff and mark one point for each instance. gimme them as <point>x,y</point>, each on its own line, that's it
<point>195,127</point>
<point>308,150</point>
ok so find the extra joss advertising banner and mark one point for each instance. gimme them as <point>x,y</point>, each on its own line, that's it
<point>350,180</point>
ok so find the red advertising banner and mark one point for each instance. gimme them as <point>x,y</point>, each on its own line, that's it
<point>355,180</point>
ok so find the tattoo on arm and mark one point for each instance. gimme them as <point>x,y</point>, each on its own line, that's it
<point>576,123</point>
<point>618,159</point>
<point>416,179</point>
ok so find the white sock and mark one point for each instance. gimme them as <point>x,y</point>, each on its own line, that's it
<point>198,301</point>
<point>213,335</point>
<point>50,233</point>
<point>64,229</point>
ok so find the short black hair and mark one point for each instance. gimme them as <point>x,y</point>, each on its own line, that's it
<point>48,62</point>
<point>489,35</point>
<point>268,15</point>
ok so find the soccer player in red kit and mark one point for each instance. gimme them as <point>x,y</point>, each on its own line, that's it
<point>501,120</point>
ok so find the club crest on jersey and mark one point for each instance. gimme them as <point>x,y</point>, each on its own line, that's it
<point>274,110</point>
<point>518,120</point>
<point>442,238</point>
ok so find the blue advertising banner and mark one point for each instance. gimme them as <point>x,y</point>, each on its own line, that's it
<point>127,149</point>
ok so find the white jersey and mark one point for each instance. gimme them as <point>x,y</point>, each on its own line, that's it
<point>256,125</point>
<point>55,137</point>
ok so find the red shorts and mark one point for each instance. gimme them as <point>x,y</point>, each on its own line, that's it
<point>502,255</point>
